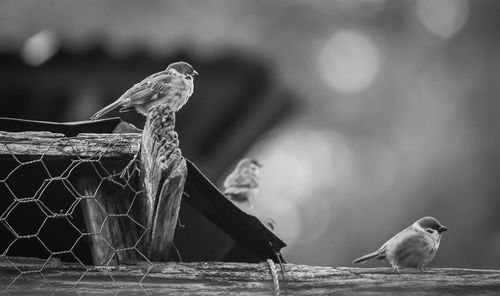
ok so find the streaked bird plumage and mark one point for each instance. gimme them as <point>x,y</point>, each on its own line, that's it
<point>415,246</point>
<point>171,87</point>
<point>243,184</point>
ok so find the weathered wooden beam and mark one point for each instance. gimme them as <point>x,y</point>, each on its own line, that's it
<point>214,278</point>
<point>163,175</point>
<point>84,145</point>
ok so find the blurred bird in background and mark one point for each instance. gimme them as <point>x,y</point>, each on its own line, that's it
<point>242,185</point>
<point>171,87</point>
<point>415,246</point>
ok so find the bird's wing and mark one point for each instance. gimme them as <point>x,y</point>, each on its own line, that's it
<point>396,236</point>
<point>229,179</point>
<point>381,252</point>
<point>400,236</point>
<point>147,90</point>
<point>158,76</point>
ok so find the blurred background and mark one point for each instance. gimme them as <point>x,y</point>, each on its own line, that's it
<point>366,114</point>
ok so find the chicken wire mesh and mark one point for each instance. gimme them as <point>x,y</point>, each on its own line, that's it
<point>46,206</point>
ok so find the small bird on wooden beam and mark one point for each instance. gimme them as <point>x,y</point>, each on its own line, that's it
<point>415,246</point>
<point>242,185</point>
<point>171,87</point>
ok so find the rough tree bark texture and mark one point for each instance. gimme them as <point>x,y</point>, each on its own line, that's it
<point>214,278</point>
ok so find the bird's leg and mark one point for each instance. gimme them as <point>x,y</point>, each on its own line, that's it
<point>395,267</point>
<point>421,268</point>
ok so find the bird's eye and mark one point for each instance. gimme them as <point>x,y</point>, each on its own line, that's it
<point>429,230</point>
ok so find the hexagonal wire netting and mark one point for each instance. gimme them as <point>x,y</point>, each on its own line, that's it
<point>41,212</point>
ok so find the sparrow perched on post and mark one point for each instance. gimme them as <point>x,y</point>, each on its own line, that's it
<point>415,246</point>
<point>171,87</point>
<point>243,184</point>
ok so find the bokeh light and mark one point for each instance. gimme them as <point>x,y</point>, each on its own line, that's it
<point>302,158</point>
<point>40,47</point>
<point>443,18</point>
<point>375,167</point>
<point>297,159</point>
<point>349,61</point>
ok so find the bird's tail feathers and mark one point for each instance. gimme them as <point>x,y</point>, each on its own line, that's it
<point>106,109</point>
<point>367,257</point>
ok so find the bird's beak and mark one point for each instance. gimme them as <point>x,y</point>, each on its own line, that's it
<point>442,228</point>
<point>195,73</point>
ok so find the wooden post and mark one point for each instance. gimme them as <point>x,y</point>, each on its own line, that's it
<point>163,174</point>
